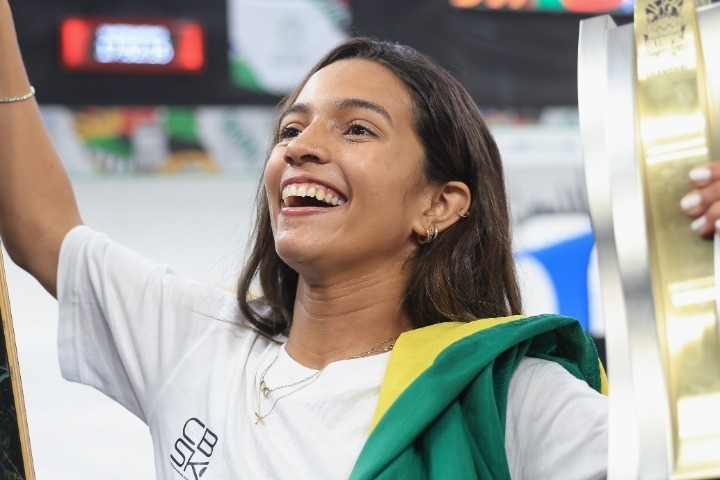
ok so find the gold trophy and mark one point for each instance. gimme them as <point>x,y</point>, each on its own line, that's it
<point>648,103</point>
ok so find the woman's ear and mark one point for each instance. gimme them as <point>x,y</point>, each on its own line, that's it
<point>450,203</point>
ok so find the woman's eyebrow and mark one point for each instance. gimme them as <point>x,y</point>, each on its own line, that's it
<point>294,108</point>
<point>347,103</point>
<point>342,104</point>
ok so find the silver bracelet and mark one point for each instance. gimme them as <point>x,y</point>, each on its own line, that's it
<point>20,98</point>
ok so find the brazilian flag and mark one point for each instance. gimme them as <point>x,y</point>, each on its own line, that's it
<point>442,404</point>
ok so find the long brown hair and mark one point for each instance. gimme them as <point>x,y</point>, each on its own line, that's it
<point>468,272</point>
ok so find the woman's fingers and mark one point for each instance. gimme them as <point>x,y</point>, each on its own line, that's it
<point>706,224</point>
<point>703,175</point>
<point>693,204</point>
<point>702,205</point>
<point>706,180</point>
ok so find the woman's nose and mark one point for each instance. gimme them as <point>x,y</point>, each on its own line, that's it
<point>304,150</point>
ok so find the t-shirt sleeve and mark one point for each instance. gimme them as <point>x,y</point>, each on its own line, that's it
<point>126,322</point>
<point>556,425</point>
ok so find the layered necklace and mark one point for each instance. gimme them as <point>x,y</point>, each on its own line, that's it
<point>264,390</point>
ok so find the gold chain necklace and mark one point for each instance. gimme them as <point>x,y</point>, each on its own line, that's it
<point>385,346</point>
<point>264,390</point>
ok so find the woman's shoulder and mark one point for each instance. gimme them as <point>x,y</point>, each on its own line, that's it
<point>551,412</point>
<point>533,373</point>
<point>93,267</point>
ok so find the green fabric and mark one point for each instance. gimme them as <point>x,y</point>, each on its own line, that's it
<point>450,422</point>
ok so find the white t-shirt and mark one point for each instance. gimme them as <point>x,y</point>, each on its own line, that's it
<point>177,354</point>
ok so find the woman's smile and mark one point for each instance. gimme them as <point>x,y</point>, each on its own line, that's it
<point>344,181</point>
<point>304,195</point>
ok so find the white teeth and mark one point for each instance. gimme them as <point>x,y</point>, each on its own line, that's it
<point>316,191</point>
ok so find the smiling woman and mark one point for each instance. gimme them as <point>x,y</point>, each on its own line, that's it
<point>399,126</point>
<point>380,346</point>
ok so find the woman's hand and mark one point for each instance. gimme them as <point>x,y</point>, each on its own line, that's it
<point>703,203</point>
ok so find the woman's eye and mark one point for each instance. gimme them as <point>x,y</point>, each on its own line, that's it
<point>288,133</point>
<point>359,130</point>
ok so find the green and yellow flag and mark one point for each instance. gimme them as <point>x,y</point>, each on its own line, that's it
<point>441,411</point>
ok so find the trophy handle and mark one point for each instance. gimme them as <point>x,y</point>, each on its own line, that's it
<point>637,440</point>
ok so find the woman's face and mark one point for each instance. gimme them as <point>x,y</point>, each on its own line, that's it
<point>344,183</point>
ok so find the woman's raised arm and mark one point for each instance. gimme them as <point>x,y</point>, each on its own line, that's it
<point>37,204</point>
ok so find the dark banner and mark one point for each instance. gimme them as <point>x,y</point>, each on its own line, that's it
<point>502,58</point>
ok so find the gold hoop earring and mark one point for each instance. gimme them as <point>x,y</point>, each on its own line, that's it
<point>432,234</point>
<point>463,215</point>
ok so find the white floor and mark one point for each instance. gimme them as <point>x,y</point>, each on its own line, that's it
<point>199,225</point>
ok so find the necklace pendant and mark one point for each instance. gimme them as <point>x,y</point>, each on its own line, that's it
<point>260,419</point>
<point>264,389</point>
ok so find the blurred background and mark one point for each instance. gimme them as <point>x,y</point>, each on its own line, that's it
<point>162,110</point>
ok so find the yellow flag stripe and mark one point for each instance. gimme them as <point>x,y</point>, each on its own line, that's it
<point>603,380</point>
<point>416,350</point>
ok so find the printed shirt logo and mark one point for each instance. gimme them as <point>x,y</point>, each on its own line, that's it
<point>193,449</point>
